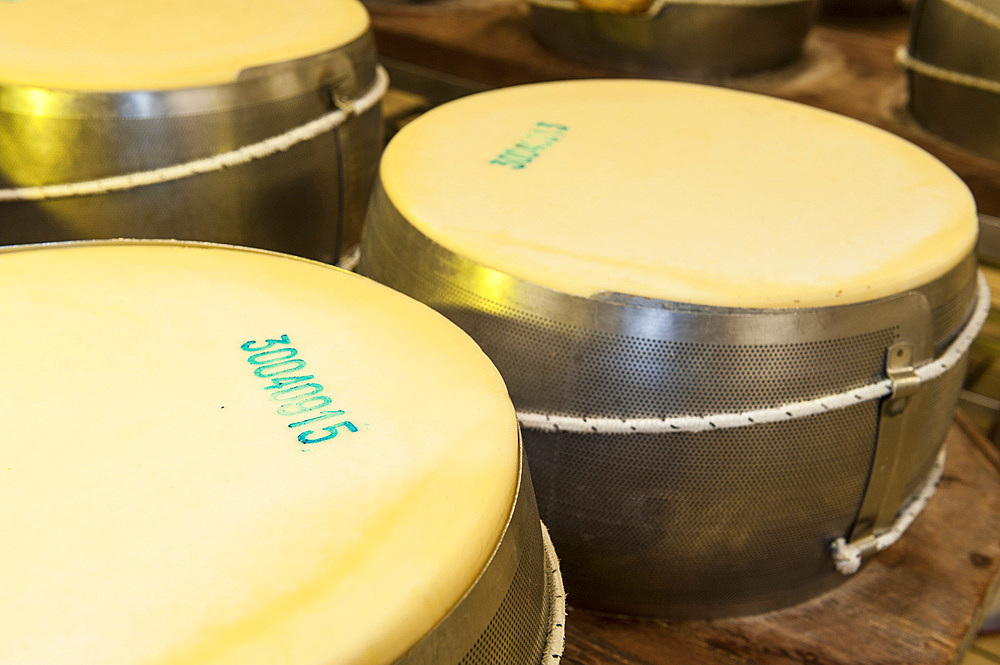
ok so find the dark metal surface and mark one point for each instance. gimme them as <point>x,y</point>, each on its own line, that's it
<point>308,200</point>
<point>690,524</point>
<point>435,87</point>
<point>693,39</point>
<point>959,39</point>
<point>988,246</point>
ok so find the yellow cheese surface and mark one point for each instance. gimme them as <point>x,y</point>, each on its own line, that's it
<point>157,504</point>
<point>162,44</point>
<point>679,191</point>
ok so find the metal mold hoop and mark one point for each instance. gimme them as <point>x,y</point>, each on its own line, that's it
<point>953,71</point>
<point>723,518</point>
<point>233,163</point>
<point>691,38</point>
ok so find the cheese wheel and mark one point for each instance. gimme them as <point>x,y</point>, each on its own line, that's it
<point>214,456</point>
<point>681,192</point>
<point>162,44</point>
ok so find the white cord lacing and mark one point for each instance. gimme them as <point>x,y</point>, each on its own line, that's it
<point>847,556</point>
<point>973,11</point>
<point>267,147</point>
<point>556,641</point>
<point>351,259</point>
<point>953,355</point>
<point>905,60</point>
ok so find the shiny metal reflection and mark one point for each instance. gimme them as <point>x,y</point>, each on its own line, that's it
<point>693,39</point>
<point>953,71</point>
<point>308,200</point>
<point>695,524</point>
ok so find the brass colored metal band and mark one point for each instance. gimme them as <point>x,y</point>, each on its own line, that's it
<point>346,109</point>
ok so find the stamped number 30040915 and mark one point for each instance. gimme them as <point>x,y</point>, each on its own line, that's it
<point>297,395</point>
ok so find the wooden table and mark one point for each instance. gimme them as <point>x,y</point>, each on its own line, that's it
<point>918,603</point>
<point>848,67</point>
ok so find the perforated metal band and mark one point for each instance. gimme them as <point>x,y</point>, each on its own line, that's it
<point>243,155</point>
<point>952,357</point>
<point>714,521</point>
<point>514,612</point>
<point>307,199</point>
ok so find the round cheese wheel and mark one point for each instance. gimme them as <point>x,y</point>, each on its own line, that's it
<point>681,192</point>
<point>226,457</point>
<point>162,44</point>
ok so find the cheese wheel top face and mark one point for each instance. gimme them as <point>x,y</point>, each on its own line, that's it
<point>681,192</point>
<point>163,44</point>
<point>215,456</point>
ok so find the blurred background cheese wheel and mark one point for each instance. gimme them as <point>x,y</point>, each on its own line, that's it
<point>153,120</point>
<point>697,39</point>
<point>953,72</point>
<point>670,293</point>
<point>228,456</point>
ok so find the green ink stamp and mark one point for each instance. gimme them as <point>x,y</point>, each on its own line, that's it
<point>525,151</point>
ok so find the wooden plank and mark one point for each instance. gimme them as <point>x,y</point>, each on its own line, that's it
<point>919,602</point>
<point>848,67</point>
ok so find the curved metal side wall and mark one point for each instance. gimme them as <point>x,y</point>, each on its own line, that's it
<point>696,39</point>
<point>689,524</point>
<point>958,38</point>
<point>309,200</point>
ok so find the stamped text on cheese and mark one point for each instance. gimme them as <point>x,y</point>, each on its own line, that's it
<point>298,396</point>
<point>541,136</point>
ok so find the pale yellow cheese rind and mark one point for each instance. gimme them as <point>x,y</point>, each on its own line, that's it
<point>163,44</point>
<point>157,509</point>
<point>679,191</point>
